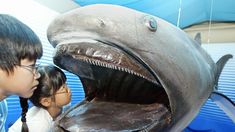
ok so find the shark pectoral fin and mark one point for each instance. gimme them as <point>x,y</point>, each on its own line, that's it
<point>220,65</point>
<point>226,104</point>
<point>198,38</point>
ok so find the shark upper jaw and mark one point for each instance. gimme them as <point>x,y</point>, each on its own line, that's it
<point>113,77</point>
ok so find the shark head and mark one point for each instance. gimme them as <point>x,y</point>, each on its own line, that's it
<point>138,71</point>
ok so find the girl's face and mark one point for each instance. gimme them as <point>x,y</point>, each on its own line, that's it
<point>23,81</point>
<point>63,96</point>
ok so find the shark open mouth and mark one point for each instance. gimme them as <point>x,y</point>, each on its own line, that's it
<point>121,92</point>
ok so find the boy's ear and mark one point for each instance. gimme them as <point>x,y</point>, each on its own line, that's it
<point>46,101</point>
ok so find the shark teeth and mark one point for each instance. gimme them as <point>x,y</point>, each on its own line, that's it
<point>99,63</point>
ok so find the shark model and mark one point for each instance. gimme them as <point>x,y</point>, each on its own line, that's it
<point>139,72</point>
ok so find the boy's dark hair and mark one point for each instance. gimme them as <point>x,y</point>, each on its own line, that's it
<point>17,42</point>
<point>52,78</point>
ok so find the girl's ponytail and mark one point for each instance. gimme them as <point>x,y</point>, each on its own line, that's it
<point>24,105</point>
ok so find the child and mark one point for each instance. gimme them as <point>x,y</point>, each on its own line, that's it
<point>48,99</point>
<point>19,49</point>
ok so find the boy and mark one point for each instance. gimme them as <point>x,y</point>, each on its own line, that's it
<point>19,49</point>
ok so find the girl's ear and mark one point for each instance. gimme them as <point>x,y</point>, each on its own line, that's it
<point>46,101</point>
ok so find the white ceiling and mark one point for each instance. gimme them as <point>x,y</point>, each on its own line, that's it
<point>59,6</point>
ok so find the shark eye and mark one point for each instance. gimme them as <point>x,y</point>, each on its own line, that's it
<point>151,23</point>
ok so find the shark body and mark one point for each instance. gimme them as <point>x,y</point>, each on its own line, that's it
<point>139,72</point>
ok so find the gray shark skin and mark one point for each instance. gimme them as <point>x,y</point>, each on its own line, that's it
<point>139,72</point>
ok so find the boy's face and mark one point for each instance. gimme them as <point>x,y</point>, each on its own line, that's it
<point>23,81</point>
<point>63,96</point>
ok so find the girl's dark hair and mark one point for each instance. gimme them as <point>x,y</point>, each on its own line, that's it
<point>17,42</point>
<point>24,105</point>
<point>52,78</point>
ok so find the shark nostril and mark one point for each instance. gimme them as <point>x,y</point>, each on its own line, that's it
<point>101,22</point>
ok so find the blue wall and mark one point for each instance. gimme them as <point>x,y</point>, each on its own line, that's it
<point>211,118</point>
<point>192,11</point>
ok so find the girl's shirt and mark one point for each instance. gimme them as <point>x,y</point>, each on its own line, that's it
<point>37,119</point>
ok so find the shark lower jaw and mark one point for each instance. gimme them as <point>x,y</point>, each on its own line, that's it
<point>121,93</point>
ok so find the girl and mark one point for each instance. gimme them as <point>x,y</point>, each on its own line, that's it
<point>50,96</point>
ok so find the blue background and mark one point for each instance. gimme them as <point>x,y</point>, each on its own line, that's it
<point>192,11</point>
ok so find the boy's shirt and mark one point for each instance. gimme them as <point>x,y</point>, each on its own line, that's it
<point>3,114</point>
<point>37,120</point>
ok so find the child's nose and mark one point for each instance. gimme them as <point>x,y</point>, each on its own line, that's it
<point>37,75</point>
<point>69,91</point>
